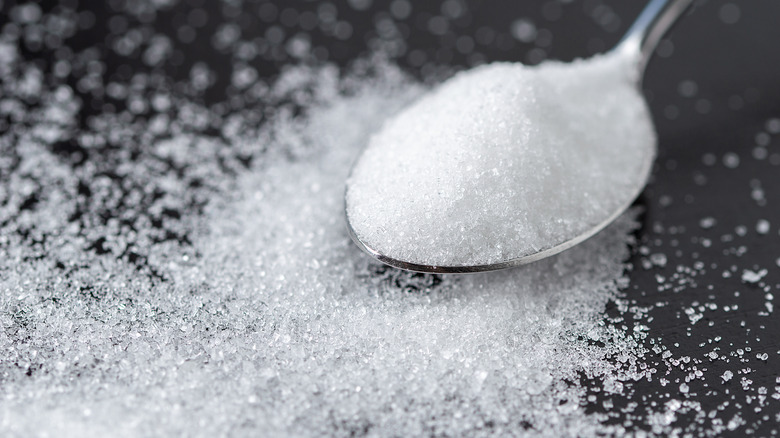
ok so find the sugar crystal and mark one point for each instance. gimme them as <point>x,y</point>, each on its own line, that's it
<point>753,277</point>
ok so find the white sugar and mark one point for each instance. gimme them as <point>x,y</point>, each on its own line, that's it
<point>173,269</point>
<point>707,222</point>
<point>753,277</point>
<point>503,161</point>
<point>277,325</point>
<point>763,226</point>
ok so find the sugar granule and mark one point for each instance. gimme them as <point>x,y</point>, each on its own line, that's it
<point>753,277</point>
<point>504,161</point>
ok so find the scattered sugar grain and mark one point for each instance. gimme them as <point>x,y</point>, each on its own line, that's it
<point>773,126</point>
<point>753,277</point>
<point>763,226</point>
<point>707,222</point>
<point>658,259</point>
<point>731,160</point>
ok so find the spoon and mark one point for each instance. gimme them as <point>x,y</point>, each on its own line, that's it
<point>395,238</point>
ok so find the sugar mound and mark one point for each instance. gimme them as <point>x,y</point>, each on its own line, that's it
<point>504,161</point>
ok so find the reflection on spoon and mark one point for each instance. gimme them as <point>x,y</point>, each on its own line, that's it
<point>506,164</point>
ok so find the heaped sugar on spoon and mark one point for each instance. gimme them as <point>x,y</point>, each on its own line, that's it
<point>506,164</point>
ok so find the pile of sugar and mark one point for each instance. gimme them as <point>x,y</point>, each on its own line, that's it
<point>272,322</point>
<point>504,161</point>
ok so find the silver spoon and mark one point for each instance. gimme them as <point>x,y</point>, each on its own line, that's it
<point>640,41</point>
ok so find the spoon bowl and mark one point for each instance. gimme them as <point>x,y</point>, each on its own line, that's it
<point>527,189</point>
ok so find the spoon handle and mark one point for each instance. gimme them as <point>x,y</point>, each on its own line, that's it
<point>654,21</point>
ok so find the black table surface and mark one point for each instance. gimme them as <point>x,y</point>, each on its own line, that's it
<point>714,92</point>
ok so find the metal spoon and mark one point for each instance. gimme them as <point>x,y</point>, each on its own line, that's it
<point>640,41</point>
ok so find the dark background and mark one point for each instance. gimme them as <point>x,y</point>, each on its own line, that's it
<point>713,89</point>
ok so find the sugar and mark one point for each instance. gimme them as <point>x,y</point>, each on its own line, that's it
<point>731,160</point>
<point>503,161</point>
<point>763,226</point>
<point>753,277</point>
<point>272,322</point>
<point>168,268</point>
<point>707,222</point>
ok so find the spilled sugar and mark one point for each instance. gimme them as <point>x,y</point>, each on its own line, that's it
<point>504,161</point>
<point>277,324</point>
<point>159,279</point>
